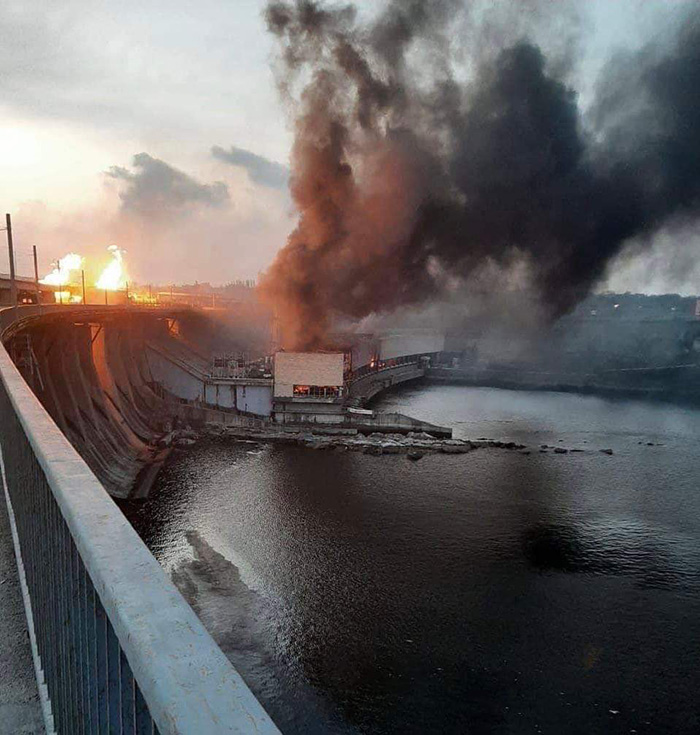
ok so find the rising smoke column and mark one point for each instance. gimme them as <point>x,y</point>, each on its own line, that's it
<point>407,180</point>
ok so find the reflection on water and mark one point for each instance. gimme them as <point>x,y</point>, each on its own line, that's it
<point>487,592</point>
<point>640,553</point>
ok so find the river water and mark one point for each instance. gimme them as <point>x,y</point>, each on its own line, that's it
<point>492,592</point>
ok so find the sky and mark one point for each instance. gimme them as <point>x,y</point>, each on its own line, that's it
<point>158,127</point>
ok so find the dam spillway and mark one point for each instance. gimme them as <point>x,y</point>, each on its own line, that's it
<point>93,369</point>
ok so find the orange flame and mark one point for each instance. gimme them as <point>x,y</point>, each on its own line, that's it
<point>113,277</point>
<point>67,297</point>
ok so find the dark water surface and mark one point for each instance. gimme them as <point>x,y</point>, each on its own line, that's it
<point>492,592</point>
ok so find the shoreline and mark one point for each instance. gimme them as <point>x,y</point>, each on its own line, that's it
<point>655,395</point>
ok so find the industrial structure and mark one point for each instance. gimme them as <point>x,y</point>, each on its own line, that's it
<point>28,291</point>
<point>312,376</point>
<point>309,387</point>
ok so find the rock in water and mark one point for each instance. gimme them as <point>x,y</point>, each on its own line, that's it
<point>391,449</point>
<point>184,443</point>
<point>419,435</point>
<point>454,448</point>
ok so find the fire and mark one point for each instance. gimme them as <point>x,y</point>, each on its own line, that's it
<point>61,274</point>
<point>67,278</point>
<point>67,297</point>
<point>113,277</point>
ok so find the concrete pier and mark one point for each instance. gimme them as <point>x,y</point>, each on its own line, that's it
<point>20,711</point>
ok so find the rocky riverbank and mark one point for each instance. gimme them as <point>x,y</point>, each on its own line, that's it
<point>414,444</point>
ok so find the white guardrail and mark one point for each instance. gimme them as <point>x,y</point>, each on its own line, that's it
<point>117,648</point>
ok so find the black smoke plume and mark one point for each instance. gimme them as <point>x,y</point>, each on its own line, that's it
<point>409,176</point>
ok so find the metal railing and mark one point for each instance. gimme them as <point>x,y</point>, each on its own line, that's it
<point>379,366</point>
<point>119,648</point>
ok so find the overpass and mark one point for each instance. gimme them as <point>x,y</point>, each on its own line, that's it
<point>115,646</point>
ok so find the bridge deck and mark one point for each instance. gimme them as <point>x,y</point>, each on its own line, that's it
<point>20,711</point>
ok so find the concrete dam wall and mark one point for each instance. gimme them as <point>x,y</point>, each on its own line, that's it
<point>96,372</point>
<point>115,380</point>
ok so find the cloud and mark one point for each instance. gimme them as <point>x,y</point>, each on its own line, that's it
<point>193,243</point>
<point>156,187</point>
<point>126,76</point>
<point>261,170</point>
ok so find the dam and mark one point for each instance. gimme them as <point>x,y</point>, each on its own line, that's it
<point>89,396</point>
<point>114,379</point>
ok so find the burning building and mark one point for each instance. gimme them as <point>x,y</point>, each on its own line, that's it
<point>309,375</point>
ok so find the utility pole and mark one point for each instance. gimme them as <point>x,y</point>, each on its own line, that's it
<point>106,297</point>
<point>127,293</point>
<point>36,276</point>
<point>13,285</point>
<point>82,278</point>
<point>56,264</point>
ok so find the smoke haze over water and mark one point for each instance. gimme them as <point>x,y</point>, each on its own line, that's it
<point>432,142</point>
